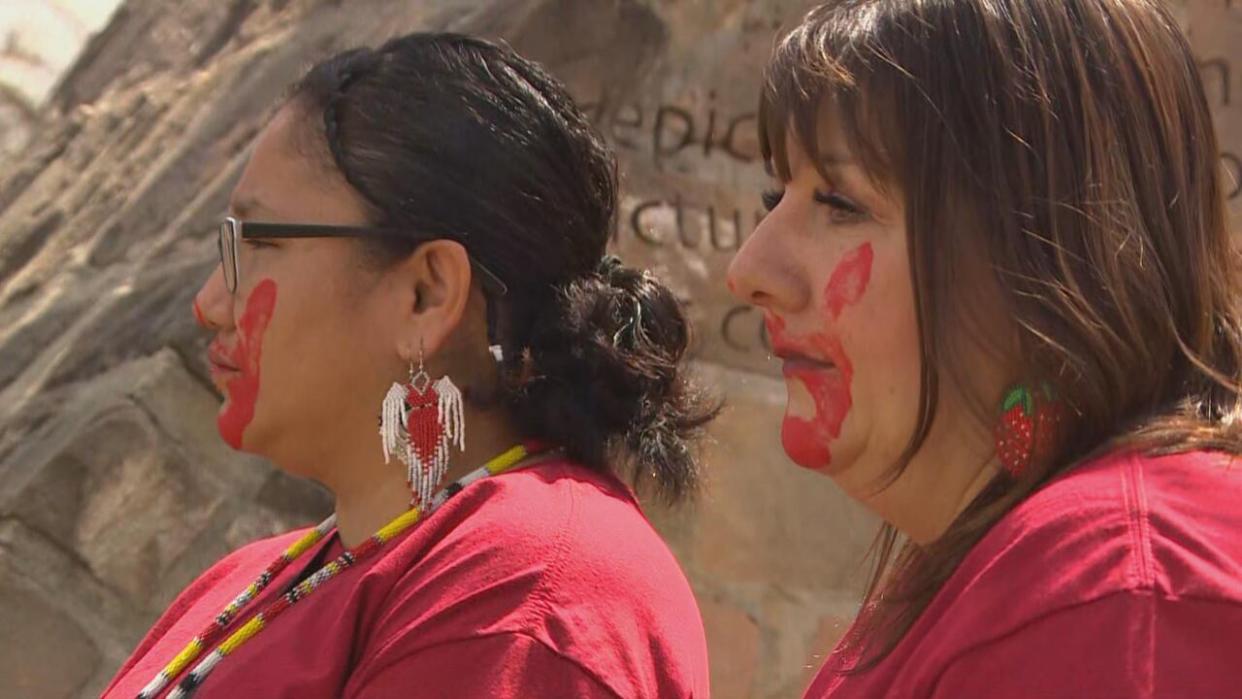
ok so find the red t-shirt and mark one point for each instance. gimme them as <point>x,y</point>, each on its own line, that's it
<point>542,582</point>
<point>1121,579</point>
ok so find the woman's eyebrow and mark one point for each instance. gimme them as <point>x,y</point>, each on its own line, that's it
<point>245,206</point>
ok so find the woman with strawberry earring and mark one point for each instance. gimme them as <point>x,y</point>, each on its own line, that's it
<point>997,273</point>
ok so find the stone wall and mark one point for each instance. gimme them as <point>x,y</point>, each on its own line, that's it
<point>38,41</point>
<point>114,488</point>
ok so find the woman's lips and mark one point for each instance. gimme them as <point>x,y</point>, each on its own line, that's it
<point>221,376</point>
<point>794,363</point>
<point>821,366</point>
<point>221,367</point>
<point>802,365</point>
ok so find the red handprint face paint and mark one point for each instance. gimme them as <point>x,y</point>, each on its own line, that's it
<point>819,362</point>
<point>808,440</point>
<point>198,315</point>
<point>242,389</point>
<point>849,280</point>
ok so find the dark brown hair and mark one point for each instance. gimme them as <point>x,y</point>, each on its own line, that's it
<point>1068,146</point>
<point>456,137</point>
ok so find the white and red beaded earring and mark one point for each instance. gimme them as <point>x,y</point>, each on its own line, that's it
<point>419,423</point>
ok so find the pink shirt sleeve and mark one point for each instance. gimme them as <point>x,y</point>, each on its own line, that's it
<point>504,665</point>
<point>1132,644</point>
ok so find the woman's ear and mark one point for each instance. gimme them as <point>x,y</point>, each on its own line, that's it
<point>436,283</point>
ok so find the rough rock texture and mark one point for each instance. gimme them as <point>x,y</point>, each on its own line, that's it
<point>114,488</point>
<point>1215,31</point>
<point>38,40</point>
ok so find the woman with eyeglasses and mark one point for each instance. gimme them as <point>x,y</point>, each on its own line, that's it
<point>997,271</point>
<point>414,308</point>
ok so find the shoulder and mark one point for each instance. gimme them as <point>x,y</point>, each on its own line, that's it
<point>1118,576</point>
<point>1124,526</point>
<point>264,549</point>
<point>1122,578</point>
<point>227,574</point>
<point>500,665</point>
<point>1128,521</point>
<point>561,555</point>
<point>244,562</point>
<point>248,560</point>
<point>1092,575</point>
<point>574,522</point>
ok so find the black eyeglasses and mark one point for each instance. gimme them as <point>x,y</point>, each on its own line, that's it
<point>233,230</point>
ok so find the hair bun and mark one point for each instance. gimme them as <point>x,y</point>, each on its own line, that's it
<point>608,265</point>
<point>607,376</point>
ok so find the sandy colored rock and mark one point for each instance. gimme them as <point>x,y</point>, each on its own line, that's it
<point>765,520</point>
<point>39,39</point>
<point>733,637</point>
<point>1215,31</point>
<point>769,542</point>
<point>111,515</point>
<point>46,654</point>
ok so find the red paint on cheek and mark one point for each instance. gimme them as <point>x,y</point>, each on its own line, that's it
<point>198,315</point>
<point>243,390</point>
<point>849,280</point>
<point>808,441</point>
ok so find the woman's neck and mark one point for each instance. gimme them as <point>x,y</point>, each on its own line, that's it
<point>370,493</point>
<point>954,464</point>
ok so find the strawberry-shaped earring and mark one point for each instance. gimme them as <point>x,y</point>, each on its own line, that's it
<point>1028,428</point>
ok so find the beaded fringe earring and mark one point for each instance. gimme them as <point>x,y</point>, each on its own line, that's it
<point>1028,429</point>
<point>419,422</point>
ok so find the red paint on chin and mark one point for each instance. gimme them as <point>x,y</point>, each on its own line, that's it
<point>243,390</point>
<point>849,280</point>
<point>808,440</point>
<point>805,443</point>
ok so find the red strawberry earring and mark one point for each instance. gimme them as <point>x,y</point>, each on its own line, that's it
<point>1028,428</point>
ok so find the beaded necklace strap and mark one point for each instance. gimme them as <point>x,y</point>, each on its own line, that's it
<point>301,591</point>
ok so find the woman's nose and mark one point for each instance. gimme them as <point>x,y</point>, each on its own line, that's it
<point>213,304</point>
<point>764,272</point>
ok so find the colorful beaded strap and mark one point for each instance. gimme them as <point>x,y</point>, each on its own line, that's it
<point>261,619</point>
